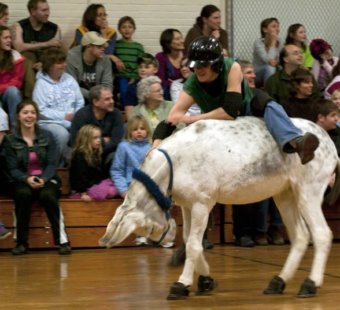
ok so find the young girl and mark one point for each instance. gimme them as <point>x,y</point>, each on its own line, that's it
<point>31,160</point>
<point>296,34</point>
<point>129,155</point>
<point>88,179</point>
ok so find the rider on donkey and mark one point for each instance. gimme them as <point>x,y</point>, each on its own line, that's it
<point>217,86</point>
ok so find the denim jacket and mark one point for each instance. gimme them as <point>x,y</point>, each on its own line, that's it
<point>17,152</point>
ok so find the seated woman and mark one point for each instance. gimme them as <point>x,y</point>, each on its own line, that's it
<point>95,19</point>
<point>152,105</point>
<point>11,75</point>
<point>301,103</point>
<point>208,23</point>
<point>266,50</point>
<point>324,62</point>
<point>217,87</point>
<point>59,97</point>
<point>169,60</point>
<point>31,161</point>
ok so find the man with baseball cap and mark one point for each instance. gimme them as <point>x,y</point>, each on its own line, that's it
<point>88,64</point>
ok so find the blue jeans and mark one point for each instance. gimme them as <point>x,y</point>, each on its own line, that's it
<point>263,210</point>
<point>280,125</point>
<point>10,100</point>
<point>123,84</point>
<point>61,136</point>
<point>263,74</point>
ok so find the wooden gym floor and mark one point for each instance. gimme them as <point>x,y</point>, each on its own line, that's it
<point>139,278</point>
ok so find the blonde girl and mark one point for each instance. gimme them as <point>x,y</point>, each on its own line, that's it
<point>88,179</point>
<point>130,153</point>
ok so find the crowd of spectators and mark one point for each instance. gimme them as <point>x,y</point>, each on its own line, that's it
<point>72,107</point>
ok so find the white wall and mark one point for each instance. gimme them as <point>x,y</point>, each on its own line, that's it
<point>151,16</point>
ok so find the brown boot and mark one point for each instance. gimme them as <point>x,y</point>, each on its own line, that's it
<point>305,147</point>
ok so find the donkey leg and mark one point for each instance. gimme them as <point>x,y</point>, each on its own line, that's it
<point>195,260</point>
<point>298,235</point>
<point>322,240</point>
<point>178,258</point>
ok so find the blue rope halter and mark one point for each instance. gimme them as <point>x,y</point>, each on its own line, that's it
<point>152,187</point>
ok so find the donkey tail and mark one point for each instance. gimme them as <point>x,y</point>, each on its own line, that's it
<point>333,195</point>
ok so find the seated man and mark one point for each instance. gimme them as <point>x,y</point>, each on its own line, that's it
<point>31,36</point>
<point>278,85</point>
<point>102,113</point>
<point>88,64</point>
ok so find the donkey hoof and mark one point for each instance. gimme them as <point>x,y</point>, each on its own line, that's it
<point>307,289</point>
<point>276,286</point>
<point>178,291</point>
<point>178,258</point>
<point>205,284</point>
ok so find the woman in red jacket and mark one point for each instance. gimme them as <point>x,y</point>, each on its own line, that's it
<point>11,75</point>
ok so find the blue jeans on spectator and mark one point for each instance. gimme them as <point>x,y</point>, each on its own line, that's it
<point>10,100</point>
<point>123,84</point>
<point>263,74</point>
<point>265,209</point>
<point>61,136</point>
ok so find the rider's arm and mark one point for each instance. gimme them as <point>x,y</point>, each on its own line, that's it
<point>233,99</point>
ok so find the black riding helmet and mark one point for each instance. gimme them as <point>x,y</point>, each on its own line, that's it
<point>205,51</point>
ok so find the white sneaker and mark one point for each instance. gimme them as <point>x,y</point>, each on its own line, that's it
<point>168,245</point>
<point>141,240</point>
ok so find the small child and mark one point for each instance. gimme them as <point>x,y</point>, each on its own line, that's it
<point>327,117</point>
<point>147,66</point>
<point>127,51</point>
<point>129,155</point>
<point>88,179</point>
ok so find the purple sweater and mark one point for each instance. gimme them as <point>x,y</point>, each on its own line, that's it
<point>167,73</point>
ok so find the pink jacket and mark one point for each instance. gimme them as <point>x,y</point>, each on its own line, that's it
<point>14,77</point>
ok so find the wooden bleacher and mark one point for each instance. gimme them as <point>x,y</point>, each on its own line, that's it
<point>86,221</point>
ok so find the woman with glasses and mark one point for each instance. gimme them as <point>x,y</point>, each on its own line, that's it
<point>95,19</point>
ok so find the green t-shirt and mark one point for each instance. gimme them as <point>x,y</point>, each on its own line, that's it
<point>208,102</point>
<point>128,52</point>
<point>308,59</point>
